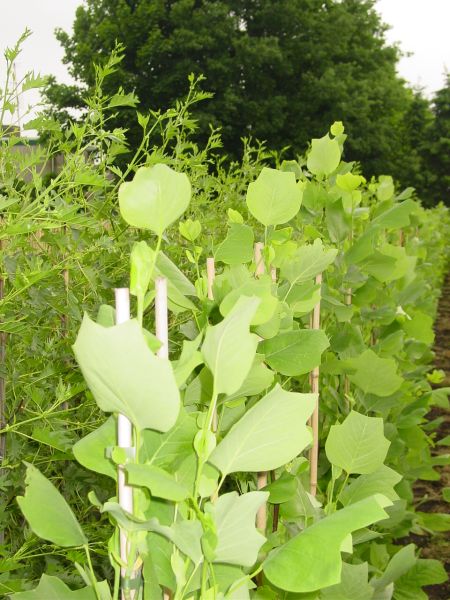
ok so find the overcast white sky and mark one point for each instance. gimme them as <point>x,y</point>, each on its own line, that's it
<point>421,27</point>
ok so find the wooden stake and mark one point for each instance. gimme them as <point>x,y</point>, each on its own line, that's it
<point>162,333</point>
<point>314,454</point>
<point>124,438</point>
<point>262,478</point>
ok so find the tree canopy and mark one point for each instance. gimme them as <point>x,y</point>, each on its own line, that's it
<point>280,70</point>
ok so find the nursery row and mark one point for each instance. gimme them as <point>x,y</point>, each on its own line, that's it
<point>254,431</point>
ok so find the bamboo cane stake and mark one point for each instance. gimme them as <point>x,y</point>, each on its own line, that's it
<point>314,454</point>
<point>124,437</point>
<point>262,478</point>
<point>162,333</point>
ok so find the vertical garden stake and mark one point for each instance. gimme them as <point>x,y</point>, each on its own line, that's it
<point>162,333</point>
<point>124,435</point>
<point>314,454</point>
<point>261,517</point>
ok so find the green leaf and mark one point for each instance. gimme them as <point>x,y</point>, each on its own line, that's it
<point>259,378</point>
<point>420,327</point>
<point>189,359</point>
<point>260,288</point>
<point>155,198</point>
<point>324,156</point>
<point>357,445</point>
<point>385,189</point>
<point>52,588</point>
<point>237,247</point>
<point>397,216</point>
<point>48,514</point>
<point>190,229</point>
<point>426,571</point>
<point>90,450</point>
<point>238,540</point>
<point>399,564</point>
<point>141,268</point>
<point>434,521</point>
<point>381,481</point>
<point>349,182</point>
<point>229,347</point>
<point>374,375</point>
<point>354,584</point>
<point>160,483</point>
<point>125,376</point>
<point>274,198</point>
<point>270,434</point>
<point>312,559</point>
<point>282,489</point>
<point>307,262</point>
<point>295,352</point>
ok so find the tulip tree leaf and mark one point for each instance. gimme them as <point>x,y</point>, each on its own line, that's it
<point>374,375</point>
<point>90,450</point>
<point>269,435</point>
<point>229,347</point>
<point>262,289</point>
<point>155,198</point>
<point>381,481</point>
<point>354,584</point>
<point>295,352</point>
<point>324,156</point>
<point>49,515</point>
<point>238,540</point>
<point>52,588</point>
<point>237,247</point>
<point>357,445</point>
<point>312,559</point>
<point>160,483</point>
<point>274,198</point>
<point>307,262</point>
<point>125,376</point>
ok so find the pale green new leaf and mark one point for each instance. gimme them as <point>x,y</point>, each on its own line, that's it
<point>274,198</point>
<point>295,352</point>
<point>324,156</point>
<point>125,376</point>
<point>90,450</point>
<point>238,540</point>
<point>49,515</point>
<point>52,588</point>
<point>399,564</point>
<point>270,434</point>
<point>237,247</point>
<point>374,375</point>
<point>307,262</point>
<point>155,198</point>
<point>312,559</point>
<point>229,347</point>
<point>357,445</point>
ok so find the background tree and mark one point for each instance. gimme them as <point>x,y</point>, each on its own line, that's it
<point>438,148</point>
<point>280,70</point>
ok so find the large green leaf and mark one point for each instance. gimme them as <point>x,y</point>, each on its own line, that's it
<point>237,247</point>
<point>307,262</point>
<point>397,216</point>
<point>357,445</point>
<point>259,378</point>
<point>270,434</point>
<point>324,156</point>
<point>229,347</point>
<point>274,198</point>
<point>125,376</point>
<point>374,375</point>
<point>381,481</point>
<point>161,483</point>
<point>238,540</point>
<point>312,559</point>
<point>354,584</point>
<point>52,588</point>
<point>260,288</point>
<point>155,198</point>
<point>49,515</point>
<point>295,352</point>
<point>90,450</point>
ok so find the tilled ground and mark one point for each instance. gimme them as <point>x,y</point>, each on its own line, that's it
<point>438,545</point>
